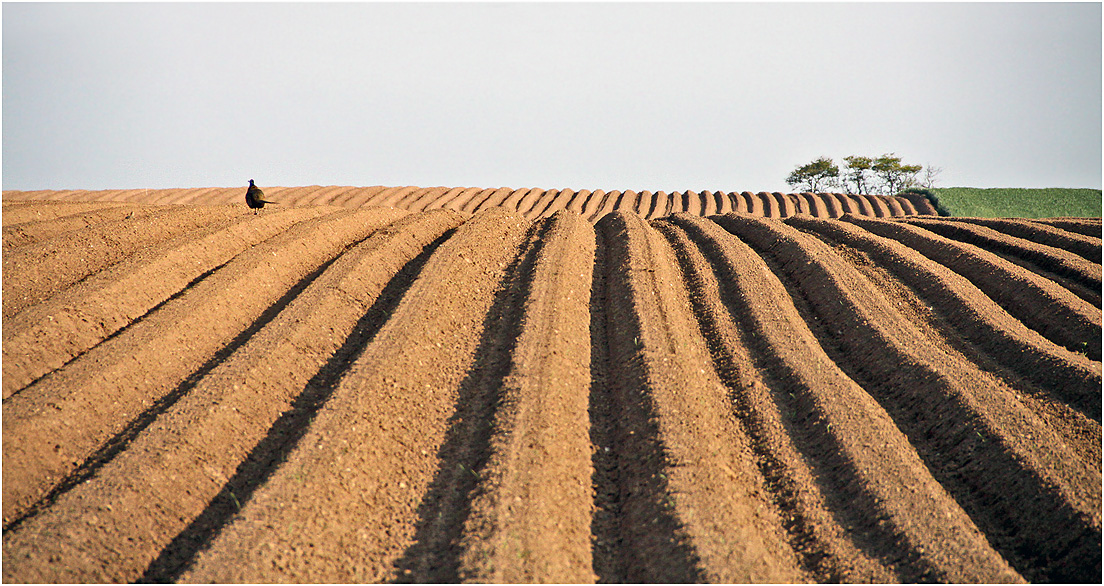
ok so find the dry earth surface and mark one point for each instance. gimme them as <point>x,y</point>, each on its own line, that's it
<point>530,203</point>
<point>422,385</point>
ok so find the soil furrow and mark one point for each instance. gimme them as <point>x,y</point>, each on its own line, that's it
<point>736,203</point>
<point>799,201</point>
<point>665,203</point>
<point>707,205</point>
<point>440,541</point>
<point>25,206</point>
<point>1066,263</point>
<point>60,262</point>
<point>463,199</point>
<point>609,204</point>
<point>42,338</point>
<point>860,205</point>
<point>833,205</point>
<point>555,204</point>
<point>39,230</point>
<point>879,205</point>
<point>786,204</point>
<point>770,204</point>
<point>772,208</point>
<point>491,199</point>
<point>531,519</point>
<point>530,202</point>
<point>689,506</point>
<point>121,441</point>
<point>324,394</point>
<point>417,201</point>
<point>1086,246</point>
<point>627,201</point>
<point>578,201</point>
<point>894,205</point>
<point>288,430</point>
<point>176,197</point>
<point>647,205</point>
<point>378,199</point>
<point>803,411</point>
<point>357,197</point>
<point>1083,226</point>
<point>907,207</point>
<point>409,195</point>
<point>371,451</point>
<point>532,198</point>
<point>921,204</point>
<point>391,197</point>
<point>724,202</point>
<point>261,398</point>
<point>477,200</point>
<point>753,204</point>
<point>595,201</point>
<point>637,538</point>
<point>1012,473</point>
<point>309,196</point>
<point>640,202</point>
<point>444,201</point>
<point>1078,288</point>
<point>604,420</point>
<point>513,201</point>
<point>47,196</point>
<point>847,204</point>
<point>527,518</point>
<point>824,552</point>
<point>818,204</point>
<point>1041,305</point>
<point>1068,375</point>
<point>51,427</point>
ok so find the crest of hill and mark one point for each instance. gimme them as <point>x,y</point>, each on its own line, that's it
<point>532,203</point>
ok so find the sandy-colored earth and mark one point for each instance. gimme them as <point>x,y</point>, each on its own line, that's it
<point>530,203</point>
<point>420,385</point>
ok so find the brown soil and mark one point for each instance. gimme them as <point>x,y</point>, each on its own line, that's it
<point>532,203</point>
<point>317,393</point>
<point>1078,261</point>
<point>1081,243</point>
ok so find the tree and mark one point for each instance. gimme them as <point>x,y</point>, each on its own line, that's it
<point>885,175</point>
<point>927,181</point>
<point>893,174</point>
<point>857,178</point>
<point>814,176</point>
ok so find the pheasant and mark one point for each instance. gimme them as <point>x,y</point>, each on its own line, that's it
<point>254,197</point>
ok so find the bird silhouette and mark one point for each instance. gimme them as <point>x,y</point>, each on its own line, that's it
<point>254,197</point>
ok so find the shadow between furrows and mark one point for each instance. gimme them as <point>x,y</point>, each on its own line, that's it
<point>603,526</point>
<point>636,537</point>
<point>968,465</point>
<point>123,329</point>
<point>121,440</point>
<point>285,433</point>
<point>435,554</point>
<point>837,478</point>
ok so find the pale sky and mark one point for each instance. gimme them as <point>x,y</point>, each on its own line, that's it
<point>727,97</point>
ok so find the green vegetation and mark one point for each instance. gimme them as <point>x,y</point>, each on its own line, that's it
<point>1017,202</point>
<point>814,176</point>
<point>866,175</point>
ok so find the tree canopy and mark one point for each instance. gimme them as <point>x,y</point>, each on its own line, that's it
<point>886,175</point>
<point>812,177</point>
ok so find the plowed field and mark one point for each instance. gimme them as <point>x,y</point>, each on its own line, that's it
<point>329,391</point>
<point>530,203</point>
